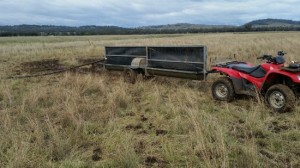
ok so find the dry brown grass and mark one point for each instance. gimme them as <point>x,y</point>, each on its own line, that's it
<point>97,120</point>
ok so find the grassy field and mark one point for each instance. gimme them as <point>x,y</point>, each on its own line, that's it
<point>97,120</point>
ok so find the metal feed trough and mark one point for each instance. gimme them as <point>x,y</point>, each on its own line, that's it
<point>174,61</point>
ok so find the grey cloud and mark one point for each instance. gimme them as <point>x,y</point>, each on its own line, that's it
<point>132,13</point>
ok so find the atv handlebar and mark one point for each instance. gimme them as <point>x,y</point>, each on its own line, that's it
<point>281,53</point>
<point>270,57</point>
<point>279,59</point>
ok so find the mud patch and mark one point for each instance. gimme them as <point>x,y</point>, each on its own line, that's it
<point>131,114</point>
<point>39,66</point>
<point>142,132</point>
<point>284,160</point>
<point>97,152</point>
<point>151,126</point>
<point>138,128</point>
<point>161,132</point>
<point>139,147</point>
<point>262,143</point>
<point>279,126</point>
<point>243,132</point>
<point>134,127</point>
<point>47,65</point>
<point>143,118</point>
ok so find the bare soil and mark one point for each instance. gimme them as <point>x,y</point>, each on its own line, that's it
<point>46,65</point>
<point>41,65</point>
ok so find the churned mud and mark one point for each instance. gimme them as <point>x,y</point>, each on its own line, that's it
<point>42,65</point>
<point>51,65</point>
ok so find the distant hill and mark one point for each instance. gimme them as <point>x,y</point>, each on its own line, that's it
<point>274,23</point>
<point>36,30</point>
<point>49,30</point>
<point>184,26</point>
<point>255,24</point>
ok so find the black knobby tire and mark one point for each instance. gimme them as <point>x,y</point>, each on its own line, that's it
<point>280,98</point>
<point>130,75</point>
<point>223,90</point>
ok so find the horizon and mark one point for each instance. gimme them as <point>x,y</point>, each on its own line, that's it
<point>200,24</point>
<point>140,13</point>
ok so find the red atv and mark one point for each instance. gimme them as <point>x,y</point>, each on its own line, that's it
<point>279,85</point>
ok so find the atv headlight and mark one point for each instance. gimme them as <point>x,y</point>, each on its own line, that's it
<point>298,77</point>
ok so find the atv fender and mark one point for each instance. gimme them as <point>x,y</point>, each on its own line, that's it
<point>228,72</point>
<point>279,78</point>
<point>233,75</point>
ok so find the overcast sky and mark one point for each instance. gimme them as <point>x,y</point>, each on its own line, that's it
<point>134,13</point>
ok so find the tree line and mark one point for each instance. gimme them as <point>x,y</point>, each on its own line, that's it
<point>35,30</point>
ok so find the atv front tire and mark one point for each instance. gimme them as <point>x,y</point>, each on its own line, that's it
<point>280,98</point>
<point>222,89</point>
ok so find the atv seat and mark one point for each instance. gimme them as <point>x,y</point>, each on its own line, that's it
<point>245,68</point>
<point>256,71</point>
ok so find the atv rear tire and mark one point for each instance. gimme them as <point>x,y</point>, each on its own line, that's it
<point>280,98</point>
<point>222,89</point>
